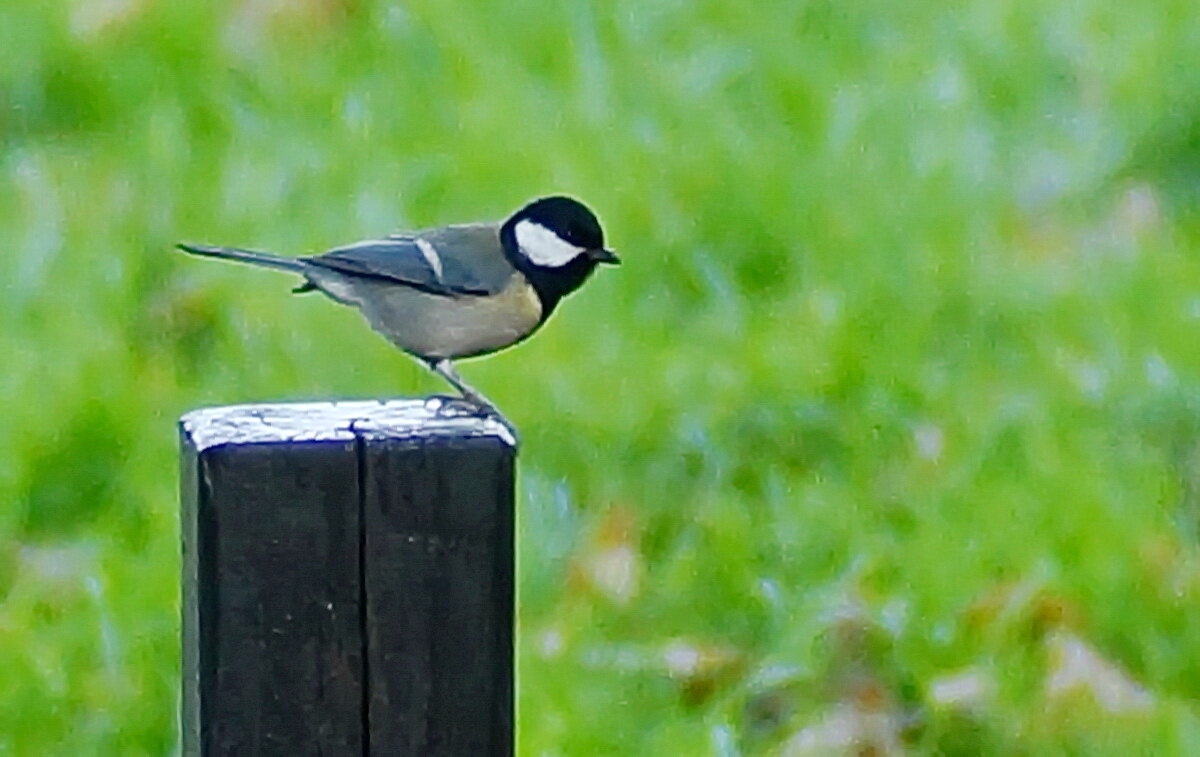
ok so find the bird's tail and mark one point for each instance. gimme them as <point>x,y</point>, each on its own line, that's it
<point>245,256</point>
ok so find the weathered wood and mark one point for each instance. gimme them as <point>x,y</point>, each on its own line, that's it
<point>439,597</point>
<point>348,581</point>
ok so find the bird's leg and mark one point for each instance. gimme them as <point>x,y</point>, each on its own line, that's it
<point>470,396</point>
<point>445,369</point>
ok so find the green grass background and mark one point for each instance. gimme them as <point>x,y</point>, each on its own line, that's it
<point>901,376</point>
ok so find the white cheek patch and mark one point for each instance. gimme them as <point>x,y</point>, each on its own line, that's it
<point>543,247</point>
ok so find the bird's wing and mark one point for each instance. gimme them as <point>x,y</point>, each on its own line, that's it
<point>455,260</point>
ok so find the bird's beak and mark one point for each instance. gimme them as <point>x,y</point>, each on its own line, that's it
<point>602,255</point>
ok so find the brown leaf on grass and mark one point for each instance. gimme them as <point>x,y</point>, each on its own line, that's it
<point>772,704</point>
<point>858,658</point>
<point>610,562</point>
<point>850,730</point>
<point>875,710</point>
<point>701,668</point>
<point>970,689</point>
<point>1075,667</point>
<point>1027,607</point>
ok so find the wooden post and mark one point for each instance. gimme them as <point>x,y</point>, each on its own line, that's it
<point>347,581</point>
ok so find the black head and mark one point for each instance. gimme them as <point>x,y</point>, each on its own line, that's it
<point>556,242</point>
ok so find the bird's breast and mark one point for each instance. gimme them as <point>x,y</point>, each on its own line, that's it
<point>436,326</point>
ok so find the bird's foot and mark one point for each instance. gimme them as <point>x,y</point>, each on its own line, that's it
<point>464,407</point>
<point>457,407</point>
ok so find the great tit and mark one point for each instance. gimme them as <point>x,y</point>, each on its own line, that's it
<point>455,291</point>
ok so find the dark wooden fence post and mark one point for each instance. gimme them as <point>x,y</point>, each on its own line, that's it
<point>347,581</point>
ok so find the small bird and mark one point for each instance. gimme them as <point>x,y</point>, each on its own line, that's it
<point>455,291</point>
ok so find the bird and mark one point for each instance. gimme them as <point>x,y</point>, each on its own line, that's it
<point>457,291</point>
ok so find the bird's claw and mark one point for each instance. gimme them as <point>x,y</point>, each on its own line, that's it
<point>457,407</point>
<point>464,407</point>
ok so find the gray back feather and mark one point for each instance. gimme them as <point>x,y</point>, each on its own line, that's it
<point>454,260</point>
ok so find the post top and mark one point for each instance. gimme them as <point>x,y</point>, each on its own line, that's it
<point>332,421</point>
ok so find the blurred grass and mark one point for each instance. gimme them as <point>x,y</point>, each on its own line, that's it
<point>900,382</point>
